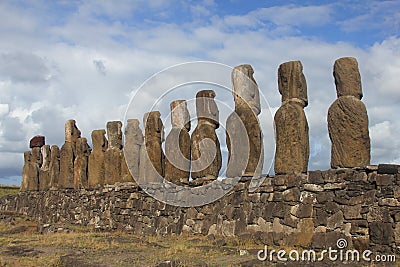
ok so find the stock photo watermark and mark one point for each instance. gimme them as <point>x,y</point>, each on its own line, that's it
<point>340,253</point>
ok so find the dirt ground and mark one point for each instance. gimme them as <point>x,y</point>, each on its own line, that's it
<point>25,243</point>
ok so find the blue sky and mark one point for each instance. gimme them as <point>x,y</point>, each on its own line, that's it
<point>82,59</point>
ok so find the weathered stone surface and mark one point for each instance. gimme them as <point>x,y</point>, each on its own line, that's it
<point>30,171</point>
<point>67,157</point>
<point>348,119</point>
<point>292,143</point>
<point>133,144</point>
<point>71,131</point>
<point>114,134</point>
<point>245,89</point>
<point>291,127</point>
<point>44,172</point>
<point>96,159</point>
<point>152,158</point>
<point>37,141</point>
<point>206,151</point>
<point>388,169</point>
<point>347,77</point>
<point>113,157</point>
<point>54,166</point>
<point>349,134</point>
<point>81,164</point>
<point>292,83</point>
<point>381,233</point>
<point>177,144</point>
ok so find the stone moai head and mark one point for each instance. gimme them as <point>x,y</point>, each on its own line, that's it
<point>37,141</point>
<point>153,125</point>
<point>133,131</point>
<point>54,152</point>
<point>206,108</point>
<point>71,131</point>
<point>245,89</point>
<point>114,133</point>
<point>347,77</point>
<point>36,156</point>
<point>180,116</point>
<point>82,147</point>
<point>27,157</point>
<point>292,83</point>
<point>99,140</point>
<point>46,154</point>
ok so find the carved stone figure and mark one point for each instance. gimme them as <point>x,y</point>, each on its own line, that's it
<point>133,145</point>
<point>113,156</point>
<point>292,142</point>
<point>54,167</point>
<point>44,172</point>
<point>177,144</point>
<point>96,159</point>
<point>152,156</point>
<point>348,118</point>
<point>206,151</point>
<point>245,154</point>
<point>81,164</point>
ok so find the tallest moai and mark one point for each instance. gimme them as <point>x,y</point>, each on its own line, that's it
<point>348,118</point>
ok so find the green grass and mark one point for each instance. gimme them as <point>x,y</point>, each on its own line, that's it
<point>8,190</point>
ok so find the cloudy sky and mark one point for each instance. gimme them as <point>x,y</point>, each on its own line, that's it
<point>83,59</point>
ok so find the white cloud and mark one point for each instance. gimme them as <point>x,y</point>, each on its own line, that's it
<point>49,74</point>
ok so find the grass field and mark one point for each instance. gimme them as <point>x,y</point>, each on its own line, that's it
<point>8,190</point>
<point>22,243</point>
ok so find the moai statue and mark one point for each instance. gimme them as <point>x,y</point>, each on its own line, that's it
<point>96,159</point>
<point>177,144</point>
<point>44,172</point>
<point>206,151</point>
<point>292,143</point>
<point>32,164</point>
<point>67,155</point>
<point>113,156</point>
<point>133,144</point>
<point>151,155</point>
<point>54,167</point>
<point>246,155</point>
<point>348,118</point>
<point>81,164</point>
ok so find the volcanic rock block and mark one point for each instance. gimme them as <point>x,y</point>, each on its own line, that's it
<point>177,144</point>
<point>81,164</point>
<point>54,167</point>
<point>292,142</point>
<point>37,141</point>
<point>245,154</point>
<point>44,172</point>
<point>348,118</point>
<point>133,145</point>
<point>152,158</point>
<point>96,159</point>
<point>113,156</point>
<point>206,151</point>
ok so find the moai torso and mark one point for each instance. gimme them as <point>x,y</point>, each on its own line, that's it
<point>96,159</point>
<point>245,154</point>
<point>206,151</point>
<point>81,164</point>
<point>177,144</point>
<point>292,142</point>
<point>113,155</point>
<point>32,164</point>
<point>67,155</point>
<point>133,144</point>
<point>54,167</point>
<point>152,156</point>
<point>348,118</point>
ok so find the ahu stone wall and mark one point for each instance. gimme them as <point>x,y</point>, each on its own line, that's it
<point>304,210</point>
